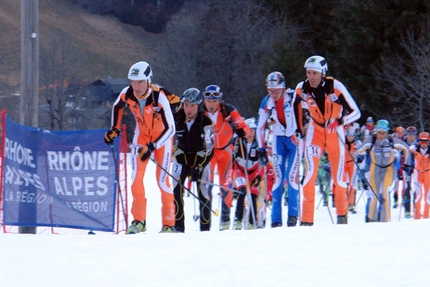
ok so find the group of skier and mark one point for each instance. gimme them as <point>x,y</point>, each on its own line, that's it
<point>258,161</point>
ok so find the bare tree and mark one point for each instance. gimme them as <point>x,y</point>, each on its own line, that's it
<point>408,81</point>
<point>228,43</point>
<point>59,70</point>
<point>177,66</point>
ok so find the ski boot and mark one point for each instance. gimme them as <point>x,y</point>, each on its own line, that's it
<point>225,225</point>
<point>167,229</point>
<point>342,219</point>
<point>136,227</point>
<point>291,221</point>
<point>237,224</point>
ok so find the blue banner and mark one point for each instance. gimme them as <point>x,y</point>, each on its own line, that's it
<point>57,178</point>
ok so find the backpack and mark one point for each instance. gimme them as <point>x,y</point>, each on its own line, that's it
<point>390,139</point>
<point>174,100</point>
<point>396,161</point>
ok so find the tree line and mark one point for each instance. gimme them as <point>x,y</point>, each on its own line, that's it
<point>379,49</point>
<point>152,15</point>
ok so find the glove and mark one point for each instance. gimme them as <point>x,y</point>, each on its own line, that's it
<point>333,125</point>
<point>262,155</point>
<point>400,175</point>
<point>256,181</point>
<point>110,135</point>
<point>237,193</point>
<point>295,139</point>
<point>360,158</point>
<point>195,173</point>
<point>240,133</point>
<point>145,151</point>
<point>408,169</point>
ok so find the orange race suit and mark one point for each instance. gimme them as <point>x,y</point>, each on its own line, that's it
<point>421,180</point>
<point>329,107</point>
<point>226,119</point>
<point>350,172</point>
<point>154,124</point>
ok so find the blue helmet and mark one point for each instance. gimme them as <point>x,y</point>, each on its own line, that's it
<point>212,92</point>
<point>382,125</point>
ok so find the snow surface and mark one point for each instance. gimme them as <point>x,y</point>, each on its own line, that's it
<point>357,254</point>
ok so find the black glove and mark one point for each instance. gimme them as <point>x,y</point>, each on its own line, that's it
<point>110,135</point>
<point>145,151</point>
<point>262,155</point>
<point>237,193</point>
<point>365,185</point>
<point>256,181</point>
<point>360,158</point>
<point>408,169</point>
<point>400,174</point>
<point>195,173</point>
<point>240,133</point>
<point>299,134</point>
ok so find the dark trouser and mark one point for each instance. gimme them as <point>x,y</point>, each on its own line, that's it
<point>407,198</point>
<point>178,193</point>
<point>240,204</point>
<point>205,208</point>
<point>205,202</point>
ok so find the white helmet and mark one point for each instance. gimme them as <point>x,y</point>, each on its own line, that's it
<point>251,123</point>
<point>140,71</point>
<point>275,80</point>
<point>350,131</point>
<point>316,63</point>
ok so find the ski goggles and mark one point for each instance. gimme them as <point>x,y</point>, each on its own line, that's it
<point>274,91</point>
<point>212,95</point>
<point>381,131</point>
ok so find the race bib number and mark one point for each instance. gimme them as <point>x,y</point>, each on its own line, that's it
<point>314,150</point>
<point>239,181</point>
<point>134,150</point>
<point>276,159</point>
<point>176,168</point>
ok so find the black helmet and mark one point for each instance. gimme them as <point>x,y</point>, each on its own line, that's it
<point>191,96</point>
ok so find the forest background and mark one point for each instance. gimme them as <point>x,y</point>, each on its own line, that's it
<point>379,49</point>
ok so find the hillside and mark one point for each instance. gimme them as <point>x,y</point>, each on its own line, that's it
<point>107,46</point>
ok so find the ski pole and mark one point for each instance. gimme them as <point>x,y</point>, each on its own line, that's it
<point>361,194</point>
<point>118,184</point>
<point>248,187</point>
<point>195,216</point>
<point>319,203</point>
<point>299,180</point>
<point>329,212</point>
<point>220,186</point>
<point>216,212</point>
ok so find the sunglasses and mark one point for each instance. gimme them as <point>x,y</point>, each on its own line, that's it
<point>211,94</point>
